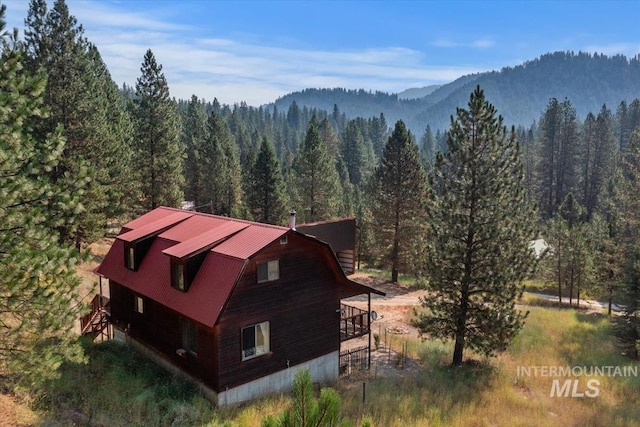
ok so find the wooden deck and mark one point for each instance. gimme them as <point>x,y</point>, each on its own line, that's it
<point>354,322</point>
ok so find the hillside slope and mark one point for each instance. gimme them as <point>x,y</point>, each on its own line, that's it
<point>519,93</point>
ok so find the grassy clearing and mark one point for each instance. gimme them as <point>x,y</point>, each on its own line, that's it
<point>408,280</point>
<point>117,387</point>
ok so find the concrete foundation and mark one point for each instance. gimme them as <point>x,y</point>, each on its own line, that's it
<point>323,369</point>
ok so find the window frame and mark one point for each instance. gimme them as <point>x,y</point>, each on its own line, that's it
<point>179,276</point>
<point>138,304</point>
<point>130,257</point>
<point>269,271</point>
<point>253,352</point>
<point>189,336</point>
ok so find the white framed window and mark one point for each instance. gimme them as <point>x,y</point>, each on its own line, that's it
<point>268,271</point>
<point>255,340</point>
<point>139,305</point>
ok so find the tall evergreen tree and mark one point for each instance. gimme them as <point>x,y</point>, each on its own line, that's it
<point>223,183</point>
<point>397,191</point>
<point>353,154</point>
<point>480,226</point>
<point>158,154</point>
<point>194,133</point>
<point>316,185</point>
<point>379,134</point>
<point>627,325</point>
<point>266,200</point>
<point>558,143</point>
<point>329,138</point>
<point>39,287</point>
<point>427,147</point>
<point>596,158</point>
<point>82,98</point>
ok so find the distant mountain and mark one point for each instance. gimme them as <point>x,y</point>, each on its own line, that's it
<point>519,93</point>
<point>417,92</point>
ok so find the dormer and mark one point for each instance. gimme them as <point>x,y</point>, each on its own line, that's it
<point>188,256</point>
<point>138,241</point>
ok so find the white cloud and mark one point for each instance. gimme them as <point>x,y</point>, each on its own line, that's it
<point>481,43</point>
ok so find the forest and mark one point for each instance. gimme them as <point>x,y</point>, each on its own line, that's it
<point>81,154</point>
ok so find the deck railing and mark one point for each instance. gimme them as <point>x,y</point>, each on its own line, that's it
<point>354,322</point>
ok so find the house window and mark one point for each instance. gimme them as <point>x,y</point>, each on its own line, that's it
<point>255,340</point>
<point>268,271</point>
<point>283,240</point>
<point>130,257</point>
<point>188,336</point>
<point>139,305</point>
<point>177,276</point>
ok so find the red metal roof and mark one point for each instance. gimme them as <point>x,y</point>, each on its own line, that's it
<point>250,240</point>
<point>206,296</point>
<point>150,228</point>
<point>180,234</point>
<point>206,239</point>
<point>150,216</point>
<point>195,226</point>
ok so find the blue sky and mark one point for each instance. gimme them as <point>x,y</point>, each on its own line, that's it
<point>257,51</point>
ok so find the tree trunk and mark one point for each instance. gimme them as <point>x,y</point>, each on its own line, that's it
<point>458,350</point>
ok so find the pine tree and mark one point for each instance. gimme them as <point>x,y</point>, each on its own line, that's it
<point>596,157</point>
<point>223,186</point>
<point>194,133</point>
<point>307,410</point>
<point>83,98</point>
<point>266,202</point>
<point>627,324</point>
<point>397,192</point>
<point>316,185</point>
<point>480,227</point>
<point>427,148</point>
<point>353,154</point>
<point>571,264</point>
<point>158,154</point>
<point>38,302</point>
<point>557,167</point>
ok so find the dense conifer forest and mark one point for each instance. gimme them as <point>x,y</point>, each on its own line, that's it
<point>81,153</point>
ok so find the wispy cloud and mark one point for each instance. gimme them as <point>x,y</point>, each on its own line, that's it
<point>235,71</point>
<point>480,43</point>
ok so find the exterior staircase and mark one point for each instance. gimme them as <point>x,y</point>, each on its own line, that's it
<point>97,322</point>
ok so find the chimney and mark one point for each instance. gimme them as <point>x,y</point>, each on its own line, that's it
<point>292,219</point>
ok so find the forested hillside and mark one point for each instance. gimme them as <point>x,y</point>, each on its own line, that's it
<point>79,155</point>
<point>520,93</point>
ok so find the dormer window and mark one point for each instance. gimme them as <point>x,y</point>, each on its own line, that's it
<point>183,271</point>
<point>134,252</point>
<point>268,271</point>
<point>177,276</point>
<point>130,257</point>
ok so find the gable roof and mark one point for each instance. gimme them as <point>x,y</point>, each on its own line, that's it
<point>229,244</point>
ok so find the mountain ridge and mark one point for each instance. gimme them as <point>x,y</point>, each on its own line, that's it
<point>520,93</point>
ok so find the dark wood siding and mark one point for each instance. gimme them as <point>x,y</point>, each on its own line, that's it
<point>301,307</point>
<point>159,327</point>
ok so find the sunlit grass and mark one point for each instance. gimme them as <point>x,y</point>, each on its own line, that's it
<point>117,387</point>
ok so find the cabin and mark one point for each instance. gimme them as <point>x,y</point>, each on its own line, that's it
<point>237,306</point>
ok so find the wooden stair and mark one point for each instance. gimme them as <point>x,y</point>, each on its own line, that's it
<point>97,322</point>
